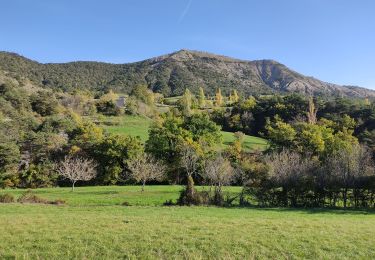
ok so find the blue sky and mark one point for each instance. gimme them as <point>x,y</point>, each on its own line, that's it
<point>333,40</point>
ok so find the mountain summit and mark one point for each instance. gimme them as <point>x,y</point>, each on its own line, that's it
<point>170,74</point>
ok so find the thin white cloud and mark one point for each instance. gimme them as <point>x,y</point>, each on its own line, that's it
<point>186,10</point>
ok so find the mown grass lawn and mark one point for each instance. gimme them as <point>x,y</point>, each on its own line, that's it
<point>139,126</point>
<point>92,225</point>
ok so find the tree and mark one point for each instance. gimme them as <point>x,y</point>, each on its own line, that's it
<point>146,168</point>
<point>201,98</point>
<point>234,98</point>
<point>218,98</point>
<point>348,166</point>
<point>202,129</point>
<point>281,134</point>
<point>189,161</point>
<point>168,134</point>
<point>235,149</point>
<point>219,172</point>
<point>186,102</point>
<point>313,138</point>
<point>107,104</point>
<point>165,136</point>
<point>289,171</point>
<point>113,154</point>
<point>77,169</point>
<point>249,103</point>
<point>44,103</point>
<point>311,114</point>
<point>9,161</point>
<point>142,93</point>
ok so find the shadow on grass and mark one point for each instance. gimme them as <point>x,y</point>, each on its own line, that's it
<point>338,211</point>
<point>78,192</point>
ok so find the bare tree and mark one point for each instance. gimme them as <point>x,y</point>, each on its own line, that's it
<point>219,172</point>
<point>348,167</point>
<point>290,171</point>
<point>77,169</point>
<point>146,168</point>
<point>189,159</point>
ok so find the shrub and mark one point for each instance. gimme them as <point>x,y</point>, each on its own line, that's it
<point>6,198</point>
<point>193,197</point>
<point>125,203</point>
<point>30,197</point>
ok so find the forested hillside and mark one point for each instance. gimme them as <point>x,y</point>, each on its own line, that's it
<point>171,74</point>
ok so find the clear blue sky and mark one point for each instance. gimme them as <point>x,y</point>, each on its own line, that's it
<point>333,40</point>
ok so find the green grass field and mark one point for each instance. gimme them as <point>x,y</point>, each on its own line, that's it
<point>138,126</point>
<point>172,100</point>
<point>93,225</point>
<point>250,143</point>
<point>130,125</point>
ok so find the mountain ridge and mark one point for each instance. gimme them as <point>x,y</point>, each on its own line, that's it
<point>171,73</point>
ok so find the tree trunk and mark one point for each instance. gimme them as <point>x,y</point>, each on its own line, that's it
<point>345,196</point>
<point>73,186</point>
<point>284,198</point>
<point>143,186</point>
<point>190,186</point>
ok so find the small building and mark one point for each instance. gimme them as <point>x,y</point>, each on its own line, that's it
<point>121,101</point>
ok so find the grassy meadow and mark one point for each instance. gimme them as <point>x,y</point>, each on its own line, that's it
<point>138,126</point>
<point>130,125</point>
<point>250,143</point>
<point>94,225</point>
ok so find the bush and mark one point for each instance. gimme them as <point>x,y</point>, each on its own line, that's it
<point>125,203</point>
<point>201,198</point>
<point>30,197</point>
<point>190,196</point>
<point>108,108</point>
<point>6,198</point>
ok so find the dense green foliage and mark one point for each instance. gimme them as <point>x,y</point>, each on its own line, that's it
<point>253,115</point>
<point>37,131</point>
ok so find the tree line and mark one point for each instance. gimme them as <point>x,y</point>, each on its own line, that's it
<point>320,150</point>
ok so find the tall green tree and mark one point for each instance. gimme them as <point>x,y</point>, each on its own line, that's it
<point>44,103</point>
<point>201,98</point>
<point>113,154</point>
<point>9,160</point>
<point>234,98</point>
<point>186,102</point>
<point>219,99</point>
